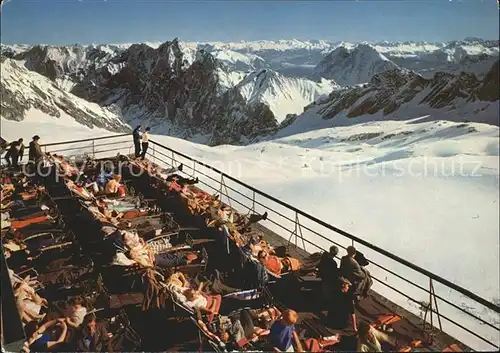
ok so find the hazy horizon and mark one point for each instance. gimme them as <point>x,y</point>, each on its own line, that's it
<point>126,21</point>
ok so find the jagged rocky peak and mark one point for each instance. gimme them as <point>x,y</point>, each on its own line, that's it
<point>489,90</point>
<point>207,60</point>
<point>261,77</point>
<point>402,94</point>
<point>26,91</point>
<point>396,78</point>
<point>55,62</point>
<point>349,67</point>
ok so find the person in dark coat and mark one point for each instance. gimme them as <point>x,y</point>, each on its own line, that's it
<point>92,335</point>
<point>145,142</point>
<point>355,273</point>
<point>137,141</point>
<point>15,153</point>
<point>341,307</point>
<point>35,151</point>
<point>328,271</point>
<point>35,156</point>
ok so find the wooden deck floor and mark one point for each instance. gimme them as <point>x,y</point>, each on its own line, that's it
<point>409,328</point>
<point>160,332</point>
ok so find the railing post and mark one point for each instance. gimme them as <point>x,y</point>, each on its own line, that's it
<point>430,303</point>
<point>299,233</point>
<point>221,182</point>
<point>431,284</point>
<point>93,149</point>
<point>253,201</point>
<point>154,157</point>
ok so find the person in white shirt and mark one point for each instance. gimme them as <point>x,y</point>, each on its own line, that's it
<point>145,142</point>
<point>76,312</point>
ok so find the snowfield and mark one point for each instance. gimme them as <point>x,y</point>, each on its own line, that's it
<point>427,191</point>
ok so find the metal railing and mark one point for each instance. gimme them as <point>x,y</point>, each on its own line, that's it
<point>466,315</point>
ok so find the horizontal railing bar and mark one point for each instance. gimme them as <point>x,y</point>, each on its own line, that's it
<point>371,261</point>
<point>71,149</point>
<point>437,313</point>
<point>375,278</point>
<point>160,153</point>
<point>246,196</point>
<point>315,245</point>
<point>232,199</point>
<point>110,150</point>
<point>84,140</point>
<point>206,175</point>
<point>396,258</point>
<point>113,143</point>
<point>329,240</point>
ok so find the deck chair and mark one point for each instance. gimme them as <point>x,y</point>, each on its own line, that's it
<point>40,219</point>
<point>180,310</point>
<point>272,276</point>
<point>65,273</point>
<point>33,278</point>
<point>416,344</point>
<point>161,243</point>
<point>50,226</point>
<point>126,339</point>
<point>452,348</point>
<point>249,294</point>
<point>35,210</point>
<point>131,279</point>
<point>386,320</point>
<point>215,343</point>
<point>80,192</point>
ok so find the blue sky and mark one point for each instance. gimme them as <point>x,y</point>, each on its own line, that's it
<point>108,21</point>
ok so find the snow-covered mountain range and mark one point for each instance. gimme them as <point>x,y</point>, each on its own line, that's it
<point>349,67</point>
<point>26,92</point>
<point>401,94</point>
<point>297,57</point>
<point>235,92</point>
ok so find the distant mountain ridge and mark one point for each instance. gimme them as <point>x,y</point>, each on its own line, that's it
<point>218,93</point>
<point>298,58</point>
<point>401,94</point>
<point>24,91</point>
<point>349,67</point>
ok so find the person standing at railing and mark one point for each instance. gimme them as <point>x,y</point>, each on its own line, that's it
<point>35,154</point>
<point>15,153</point>
<point>137,140</point>
<point>341,313</point>
<point>355,273</point>
<point>328,271</point>
<point>145,142</point>
<point>35,151</point>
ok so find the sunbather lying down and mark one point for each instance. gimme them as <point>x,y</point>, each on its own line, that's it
<point>102,213</point>
<point>235,331</point>
<point>140,252</point>
<point>29,303</point>
<point>257,244</point>
<point>278,265</point>
<point>79,190</point>
<point>195,299</point>
<point>64,166</point>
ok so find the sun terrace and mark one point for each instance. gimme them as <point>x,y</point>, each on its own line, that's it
<point>181,255</point>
